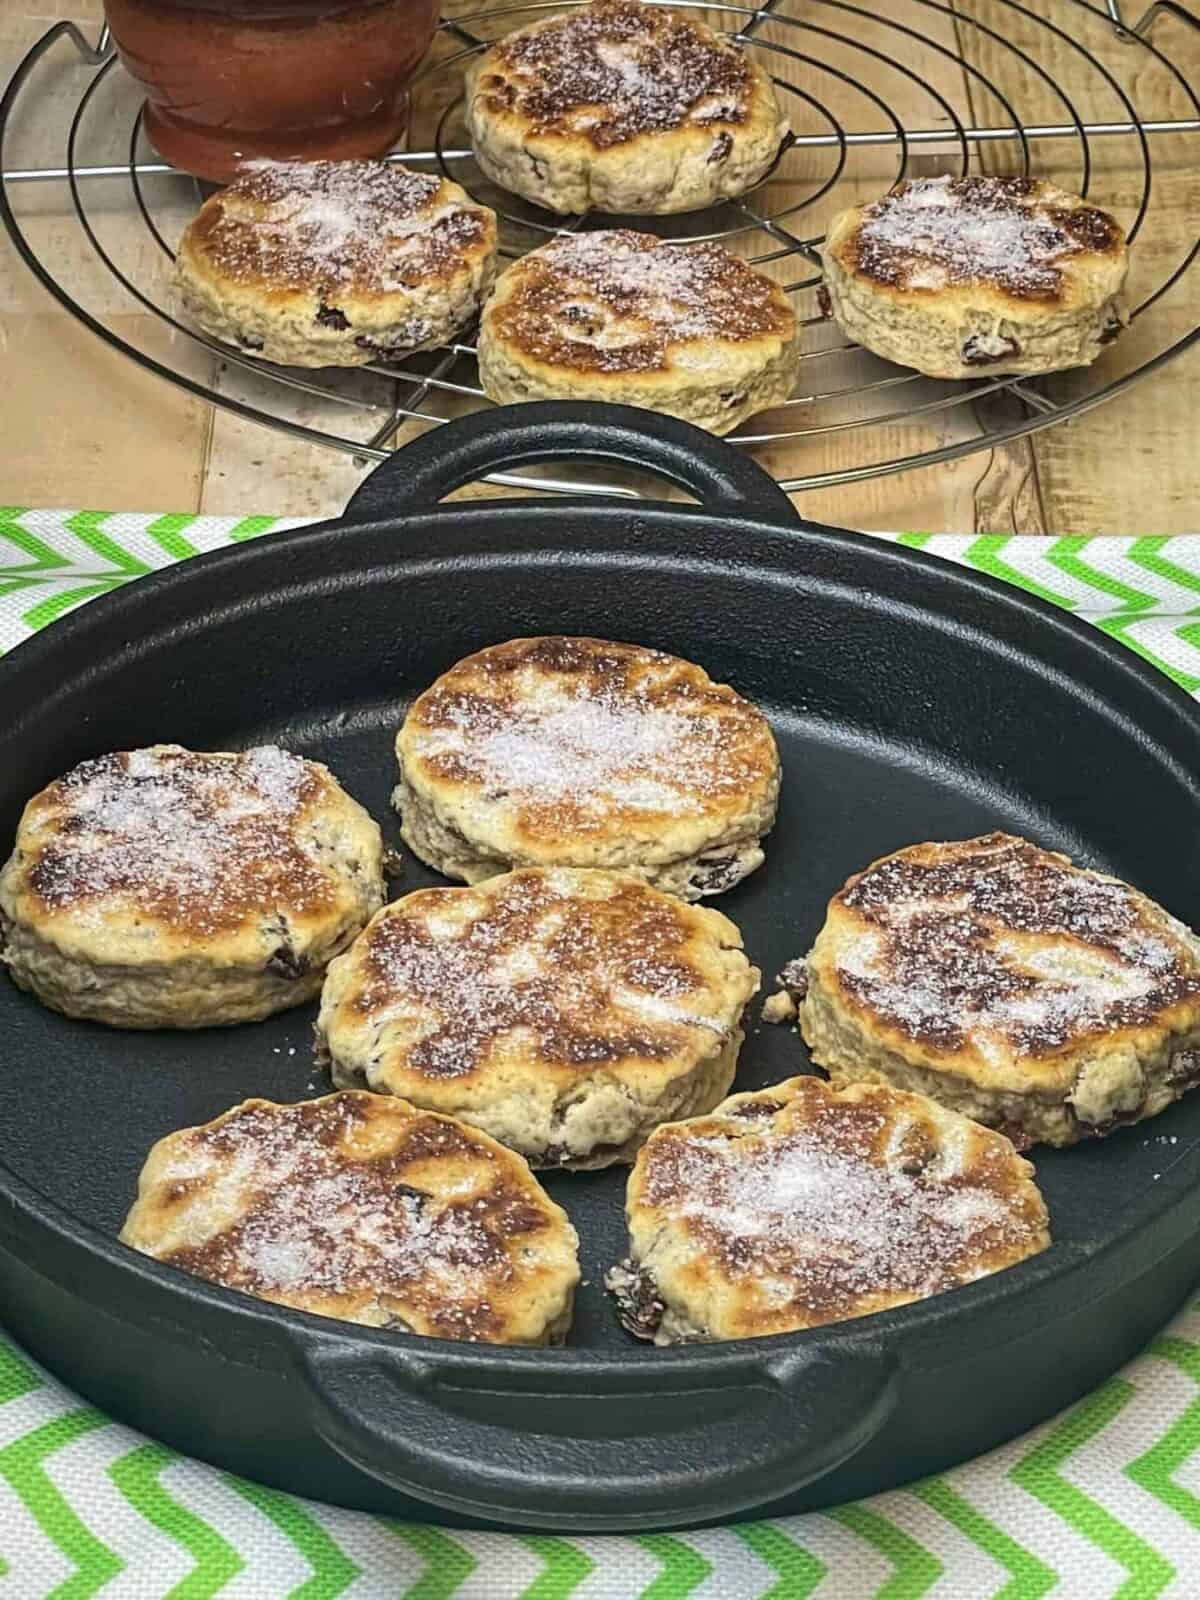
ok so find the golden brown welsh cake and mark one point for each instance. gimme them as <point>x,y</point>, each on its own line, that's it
<point>360,1207</point>
<point>566,1012</point>
<point>622,107</point>
<point>968,277</point>
<point>689,330</point>
<point>580,752</point>
<point>1025,992</point>
<point>167,888</point>
<point>803,1204</point>
<point>336,263</point>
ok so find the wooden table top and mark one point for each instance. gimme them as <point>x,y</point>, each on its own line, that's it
<point>83,427</point>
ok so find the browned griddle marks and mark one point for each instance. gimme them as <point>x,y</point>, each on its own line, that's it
<point>948,962</point>
<point>197,841</point>
<point>836,1212</point>
<point>580,1005</point>
<point>615,70</point>
<point>1010,233</point>
<point>330,227</point>
<point>328,1214</point>
<point>617,301</point>
<point>573,734</point>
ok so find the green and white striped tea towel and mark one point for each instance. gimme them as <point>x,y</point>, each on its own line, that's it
<point>1102,1503</point>
<point>1146,592</point>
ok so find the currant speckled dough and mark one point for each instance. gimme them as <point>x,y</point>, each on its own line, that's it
<point>336,263</point>
<point>578,752</point>
<point>805,1204</point>
<point>363,1208</point>
<point>170,888</point>
<point>623,108</point>
<point>689,330</point>
<point>565,1011</point>
<point>973,277</point>
<point>1035,996</point>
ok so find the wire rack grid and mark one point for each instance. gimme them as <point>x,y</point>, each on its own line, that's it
<point>870,101</point>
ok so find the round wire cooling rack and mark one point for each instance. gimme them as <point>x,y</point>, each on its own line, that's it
<point>912,88</point>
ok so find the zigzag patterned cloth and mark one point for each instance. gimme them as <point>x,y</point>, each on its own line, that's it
<point>1145,592</point>
<point>1103,1501</point>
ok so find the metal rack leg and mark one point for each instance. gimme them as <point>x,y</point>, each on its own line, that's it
<point>1130,24</point>
<point>1172,8</point>
<point>95,55</point>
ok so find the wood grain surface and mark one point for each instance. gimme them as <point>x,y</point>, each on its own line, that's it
<point>83,427</point>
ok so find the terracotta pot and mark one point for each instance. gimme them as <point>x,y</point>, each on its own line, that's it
<point>228,81</point>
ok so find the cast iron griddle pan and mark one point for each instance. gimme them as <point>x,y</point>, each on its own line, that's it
<point>911,701</point>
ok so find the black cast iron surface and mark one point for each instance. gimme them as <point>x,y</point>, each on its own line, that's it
<point>910,700</point>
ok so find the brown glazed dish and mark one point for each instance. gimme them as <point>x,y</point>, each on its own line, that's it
<point>228,81</point>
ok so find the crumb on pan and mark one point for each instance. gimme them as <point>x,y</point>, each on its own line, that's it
<point>779,1007</point>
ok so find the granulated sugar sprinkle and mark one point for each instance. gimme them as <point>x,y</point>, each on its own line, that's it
<point>831,1220</point>
<point>998,941</point>
<point>321,1215</point>
<point>592,747</point>
<point>193,838</point>
<point>617,300</point>
<point>539,966</point>
<point>615,70</point>
<point>349,226</point>
<point>934,232</point>
<point>609,752</point>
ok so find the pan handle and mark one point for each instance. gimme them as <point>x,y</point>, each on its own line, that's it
<point>619,1447</point>
<point>720,476</point>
